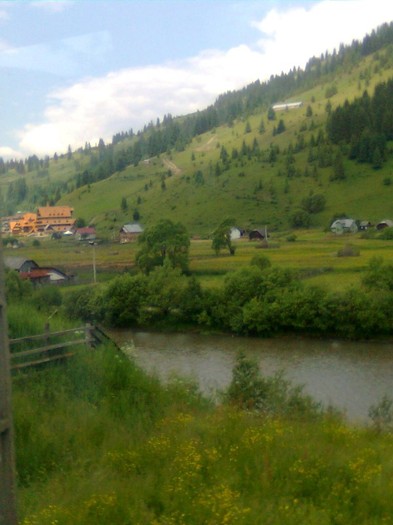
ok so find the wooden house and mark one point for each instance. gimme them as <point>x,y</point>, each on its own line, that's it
<point>340,226</point>
<point>386,223</point>
<point>257,235</point>
<point>54,218</point>
<point>130,232</point>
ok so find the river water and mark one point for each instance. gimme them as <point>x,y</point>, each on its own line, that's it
<point>350,376</point>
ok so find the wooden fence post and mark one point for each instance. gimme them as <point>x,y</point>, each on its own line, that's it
<point>7,459</point>
<point>89,335</point>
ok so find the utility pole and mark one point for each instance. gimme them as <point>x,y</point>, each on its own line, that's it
<point>93,244</point>
<point>7,460</point>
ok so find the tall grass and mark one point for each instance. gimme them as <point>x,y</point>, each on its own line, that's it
<point>24,319</point>
<point>99,442</point>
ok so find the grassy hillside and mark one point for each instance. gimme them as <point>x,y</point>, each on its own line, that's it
<point>245,168</point>
<point>252,190</point>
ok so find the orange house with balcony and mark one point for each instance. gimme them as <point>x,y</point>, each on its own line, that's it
<point>23,224</point>
<point>54,219</point>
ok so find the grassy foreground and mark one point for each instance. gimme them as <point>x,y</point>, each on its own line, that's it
<point>99,442</point>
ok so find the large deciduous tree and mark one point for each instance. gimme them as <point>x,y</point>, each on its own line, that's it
<point>165,240</point>
<point>221,237</point>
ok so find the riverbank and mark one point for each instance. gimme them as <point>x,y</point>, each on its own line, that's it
<point>350,376</point>
<point>98,441</point>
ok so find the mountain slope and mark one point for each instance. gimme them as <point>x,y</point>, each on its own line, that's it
<point>234,159</point>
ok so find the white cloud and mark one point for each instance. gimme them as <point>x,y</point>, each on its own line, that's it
<point>292,37</point>
<point>10,153</point>
<point>100,107</point>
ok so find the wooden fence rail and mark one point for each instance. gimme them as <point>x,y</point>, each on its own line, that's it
<point>56,345</point>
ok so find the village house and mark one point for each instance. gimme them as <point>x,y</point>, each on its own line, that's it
<point>54,218</point>
<point>365,225</point>
<point>29,269</point>
<point>386,223</point>
<point>22,224</point>
<point>340,226</point>
<point>87,233</point>
<point>258,235</point>
<point>236,233</point>
<point>48,219</point>
<point>129,232</point>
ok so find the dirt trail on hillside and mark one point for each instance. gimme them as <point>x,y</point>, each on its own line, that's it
<point>172,166</point>
<point>208,145</point>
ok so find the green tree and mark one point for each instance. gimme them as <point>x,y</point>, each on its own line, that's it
<point>221,237</point>
<point>162,299</point>
<point>271,114</point>
<point>123,299</point>
<point>164,240</point>
<point>123,204</point>
<point>80,222</point>
<point>314,203</point>
<point>300,219</point>
<point>338,168</point>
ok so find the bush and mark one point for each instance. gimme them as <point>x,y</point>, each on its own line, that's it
<point>348,251</point>
<point>47,297</point>
<point>300,219</point>
<point>261,261</point>
<point>386,234</point>
<point>381,414</point>
<point>270,395</point>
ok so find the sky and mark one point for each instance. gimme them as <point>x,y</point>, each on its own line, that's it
<point>76,71</point>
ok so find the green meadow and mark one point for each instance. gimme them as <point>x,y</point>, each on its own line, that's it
<point>313,254</point>
<point>99,442</point>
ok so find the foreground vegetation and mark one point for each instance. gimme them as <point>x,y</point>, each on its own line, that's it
<point>99,442</point>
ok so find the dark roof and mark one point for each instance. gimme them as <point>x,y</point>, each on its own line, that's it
<point>15,263</point>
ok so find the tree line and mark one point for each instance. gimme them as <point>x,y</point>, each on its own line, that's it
<point>259,299</point>
<point>365,125</point>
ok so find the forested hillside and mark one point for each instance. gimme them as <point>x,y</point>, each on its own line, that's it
<point>329,156</point>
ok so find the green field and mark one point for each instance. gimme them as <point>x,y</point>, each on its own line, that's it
<point>313,254</point>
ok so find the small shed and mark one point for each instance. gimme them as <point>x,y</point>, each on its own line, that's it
<point>130,232</point>
<point>87,233</point>
<point>258,235</point>
<point>364,225</point>
<point>386,223</point>
<point>236,233</point>
<point>340,226</point>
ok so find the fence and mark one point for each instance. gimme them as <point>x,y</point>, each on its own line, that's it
<point>35,350</point>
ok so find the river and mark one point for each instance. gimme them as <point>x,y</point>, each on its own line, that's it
<point>350,376</point>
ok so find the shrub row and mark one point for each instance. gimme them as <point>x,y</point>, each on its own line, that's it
<point>253,300</point>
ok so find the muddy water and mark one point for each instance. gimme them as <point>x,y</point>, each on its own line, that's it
<point>350,376</point>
